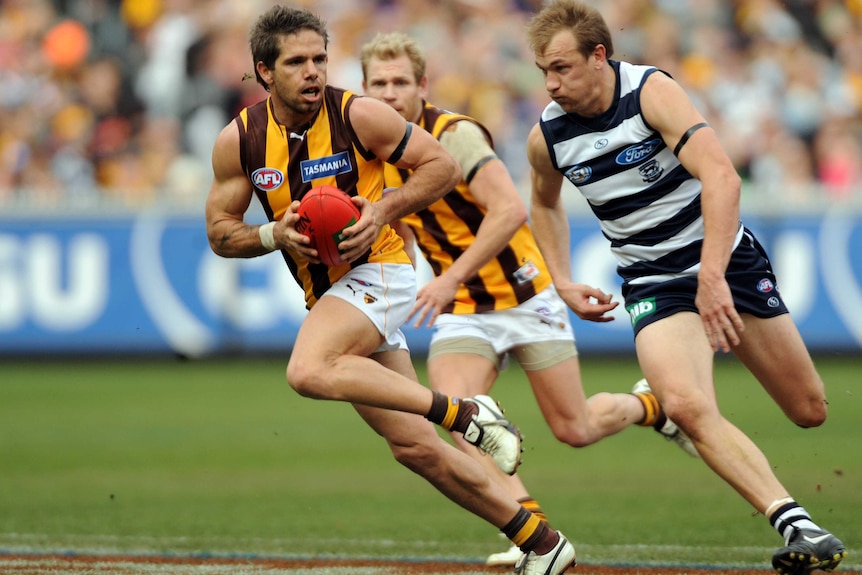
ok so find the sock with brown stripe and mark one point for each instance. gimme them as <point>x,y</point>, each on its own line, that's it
<point>533,507</point>
<point>450,412</point>
<point>530,533</point>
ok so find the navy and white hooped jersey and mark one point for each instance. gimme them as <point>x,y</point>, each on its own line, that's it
<point>647,203</point>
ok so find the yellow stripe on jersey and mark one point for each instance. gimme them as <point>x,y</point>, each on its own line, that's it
<point>448,227</point>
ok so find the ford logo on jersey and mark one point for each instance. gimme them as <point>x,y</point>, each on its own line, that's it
<point>638,152</point>
<point>267,179</point>
<point>325,167</point>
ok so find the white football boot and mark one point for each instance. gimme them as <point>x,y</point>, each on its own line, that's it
<point>494,434</point>
<point>557,561</point>
<point>507,558</point>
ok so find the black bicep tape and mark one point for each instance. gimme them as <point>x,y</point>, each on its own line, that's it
<point>687,135</point>
<point>399,151</point>
<point>478,165</point>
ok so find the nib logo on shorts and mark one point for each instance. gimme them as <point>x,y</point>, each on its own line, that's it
<point>641,309</point>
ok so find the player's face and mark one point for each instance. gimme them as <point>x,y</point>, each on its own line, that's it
<point>571,79</point>
<point>298,78</point>
<point>393,82</point>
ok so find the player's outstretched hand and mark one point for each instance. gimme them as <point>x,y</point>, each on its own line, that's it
<point>432,298</point>
<point>587,302</point>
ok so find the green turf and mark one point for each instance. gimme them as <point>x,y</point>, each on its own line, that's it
<point>221,456</point>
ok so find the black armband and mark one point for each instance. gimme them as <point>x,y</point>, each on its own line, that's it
<point>478,165</point>
<point>399,151</point>
<point>687,135</point>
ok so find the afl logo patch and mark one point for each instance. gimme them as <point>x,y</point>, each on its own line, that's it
<point>765,285</point>
<point>267,179</point>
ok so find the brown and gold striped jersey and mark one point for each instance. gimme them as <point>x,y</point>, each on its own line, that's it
<point>449,226</point>
<point>283,165</point>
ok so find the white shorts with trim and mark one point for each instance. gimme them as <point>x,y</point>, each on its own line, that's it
<point>544,317</point>
<point>385,293</point>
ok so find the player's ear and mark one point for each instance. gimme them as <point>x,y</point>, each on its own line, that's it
<point>600,53</point>
<point>264,72</point>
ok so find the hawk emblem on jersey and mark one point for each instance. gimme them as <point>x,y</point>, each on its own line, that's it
<point>579,174</point>
<point>325,167</point>
<point>267,179</point>
<point>638,153</point>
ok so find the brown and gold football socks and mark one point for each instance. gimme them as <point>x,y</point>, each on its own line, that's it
<point>450,412</point>
<point>533,507</point>
<point>530,533</point>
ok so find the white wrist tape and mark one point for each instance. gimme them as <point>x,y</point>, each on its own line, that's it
<point>266,236</point>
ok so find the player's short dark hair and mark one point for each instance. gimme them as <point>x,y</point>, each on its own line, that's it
<point>264,38</point>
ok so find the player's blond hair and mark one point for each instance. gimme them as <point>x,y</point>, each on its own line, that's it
<point>390,46</point>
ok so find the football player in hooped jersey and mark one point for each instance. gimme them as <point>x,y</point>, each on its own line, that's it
<point>695,280</point>
<point>492,294</point>
<point>350,347</point>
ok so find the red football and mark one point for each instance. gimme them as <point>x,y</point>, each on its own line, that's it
<point>323,212</point>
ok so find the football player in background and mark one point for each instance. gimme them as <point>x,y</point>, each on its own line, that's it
<point>492,295</point>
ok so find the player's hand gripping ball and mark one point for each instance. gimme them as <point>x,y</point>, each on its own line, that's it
<point>323,213</point>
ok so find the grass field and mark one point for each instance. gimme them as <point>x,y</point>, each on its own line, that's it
<point>220,458</point>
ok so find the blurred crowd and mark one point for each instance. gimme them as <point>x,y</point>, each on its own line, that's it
<point>118,102</point>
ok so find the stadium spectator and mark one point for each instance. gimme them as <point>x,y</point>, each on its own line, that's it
<point>738,60</point>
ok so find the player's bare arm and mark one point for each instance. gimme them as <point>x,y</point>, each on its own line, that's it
<point>382,130</point>
<point>229,198</point>
<point>493,188</point>
<point>669,110</point>
<point>550,225</point>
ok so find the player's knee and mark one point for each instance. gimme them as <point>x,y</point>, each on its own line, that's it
<point>687,412</point>
<point>307,380</point>
<point>574,435</point>
<point>808,414</point>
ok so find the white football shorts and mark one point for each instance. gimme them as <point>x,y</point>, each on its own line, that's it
<point>539,332</point>
<point>385,293</point>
